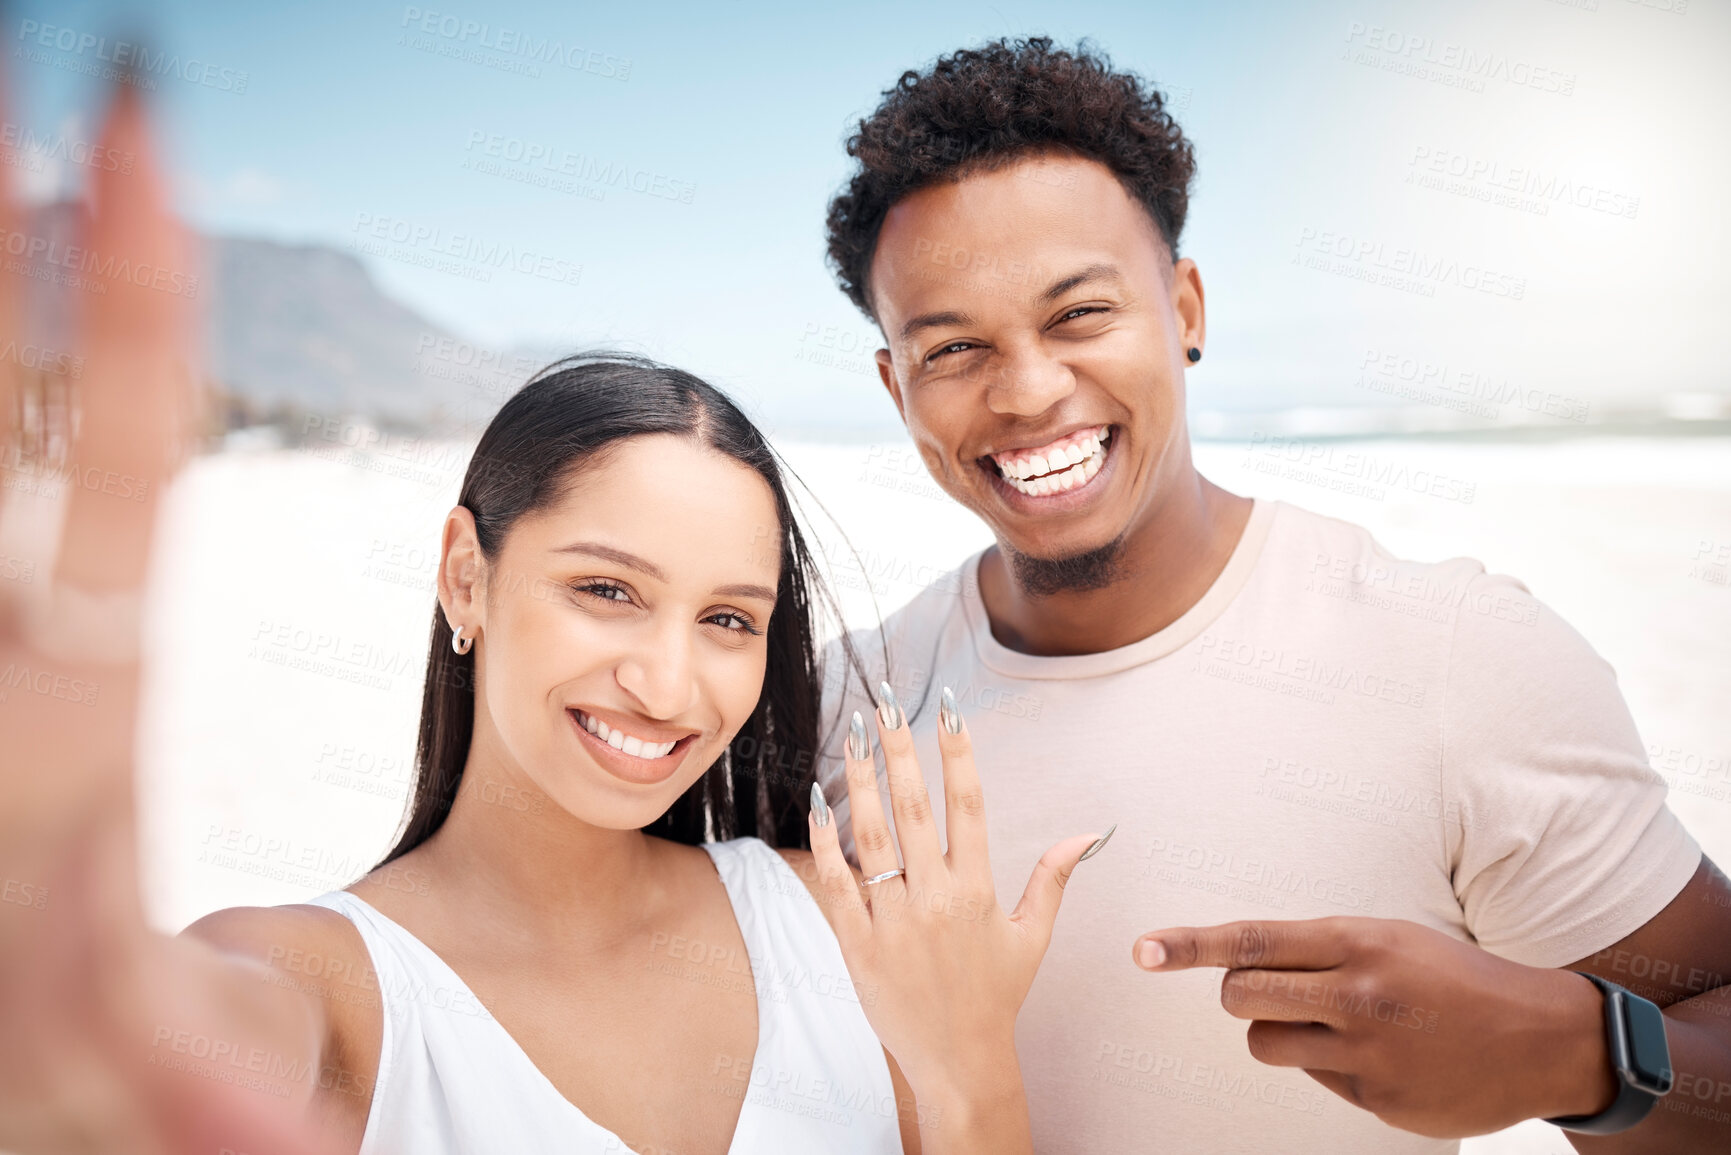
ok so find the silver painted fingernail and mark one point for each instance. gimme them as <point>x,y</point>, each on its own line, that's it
<point>948,714</point>
<point>859,747</point>
<point>889,710</point>
<point>1098,843</point>
<point>819,807</point>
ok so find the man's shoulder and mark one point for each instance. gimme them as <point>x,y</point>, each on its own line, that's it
<point>1315,552</point>
<point>926,620</point>
<point>941,601</point>
<point>1347,584</point>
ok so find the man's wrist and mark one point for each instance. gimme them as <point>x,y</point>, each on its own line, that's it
<point>1586,1081</point>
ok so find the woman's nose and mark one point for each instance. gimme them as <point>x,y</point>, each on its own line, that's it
<point>658,674</point>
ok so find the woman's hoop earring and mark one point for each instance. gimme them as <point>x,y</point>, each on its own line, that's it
<point>1194,354</point>
<point>459,643</point>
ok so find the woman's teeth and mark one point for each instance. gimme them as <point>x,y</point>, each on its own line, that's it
<point>1058,467</point>
<point>619,740</point>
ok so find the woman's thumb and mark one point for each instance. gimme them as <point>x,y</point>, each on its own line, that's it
<point>1038,909</point>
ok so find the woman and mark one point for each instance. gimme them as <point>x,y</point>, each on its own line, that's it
<point>623,616</point>
<point>582,940</point>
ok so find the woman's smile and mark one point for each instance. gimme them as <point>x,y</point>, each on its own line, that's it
<point>623,754</point>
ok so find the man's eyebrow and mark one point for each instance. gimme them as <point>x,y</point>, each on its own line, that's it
<point>1096,272</point>
<point>617,556</point>
<point>933,321</point>
<point>632,561</point>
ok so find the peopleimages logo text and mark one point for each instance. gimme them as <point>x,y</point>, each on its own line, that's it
<point>1364,257</point>
<point>135,57</point>
<point>1417,54</point>
<point>476,253</point>
<point>512,42</point>
<point>40,257</point>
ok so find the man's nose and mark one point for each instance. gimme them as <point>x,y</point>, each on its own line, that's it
<point>1027,383</point>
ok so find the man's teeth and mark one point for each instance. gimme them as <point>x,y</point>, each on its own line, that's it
<point>620,740</point>
<point>1056,468</point>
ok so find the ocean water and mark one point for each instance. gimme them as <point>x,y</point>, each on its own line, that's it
<point>293,594</point>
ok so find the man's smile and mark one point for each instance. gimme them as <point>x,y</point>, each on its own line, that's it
<point>1039,476</point>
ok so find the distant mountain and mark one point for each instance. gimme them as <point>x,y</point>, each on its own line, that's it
<point>306,327</point>
<point>299,329</point>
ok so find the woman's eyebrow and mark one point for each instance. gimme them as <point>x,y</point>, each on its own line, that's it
<point>618,556</point>
<point>763,593</point>
<point>632,561</point>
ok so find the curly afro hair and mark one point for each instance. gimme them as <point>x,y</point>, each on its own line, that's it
<point>978,109</point>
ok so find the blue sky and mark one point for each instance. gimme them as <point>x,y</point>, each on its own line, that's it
<point>1587,169</point>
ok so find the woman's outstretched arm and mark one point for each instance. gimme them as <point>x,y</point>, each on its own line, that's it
<point>116,1038</point>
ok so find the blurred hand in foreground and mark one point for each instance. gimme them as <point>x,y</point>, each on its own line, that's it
<point>92,1002</point>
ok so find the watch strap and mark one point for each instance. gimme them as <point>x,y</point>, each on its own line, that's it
<point>1632,1102</point>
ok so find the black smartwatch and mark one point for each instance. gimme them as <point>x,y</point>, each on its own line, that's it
<point>1635,1036</point>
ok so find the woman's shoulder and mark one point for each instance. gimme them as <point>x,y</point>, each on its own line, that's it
<point>304,948</point>
<point>747,858</point>
<point>750,856</point>
<point>315,958</point>
<point>274,935</point>
<point>759,856</point>
<point>804,865</point>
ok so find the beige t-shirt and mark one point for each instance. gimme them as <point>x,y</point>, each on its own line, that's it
<point>1329,730</point>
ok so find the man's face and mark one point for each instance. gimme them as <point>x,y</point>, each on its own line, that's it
<point>1036,332</point>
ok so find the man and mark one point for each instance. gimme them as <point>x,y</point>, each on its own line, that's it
<point>1285,722</point>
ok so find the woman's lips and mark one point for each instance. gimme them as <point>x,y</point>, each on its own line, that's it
<point>634,768</point>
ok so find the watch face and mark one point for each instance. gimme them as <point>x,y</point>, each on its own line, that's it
<point>1649,1057</point>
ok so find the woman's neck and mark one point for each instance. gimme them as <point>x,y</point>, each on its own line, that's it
<point>509,855</point>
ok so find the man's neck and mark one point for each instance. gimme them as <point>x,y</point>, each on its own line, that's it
<point>1169,561</point>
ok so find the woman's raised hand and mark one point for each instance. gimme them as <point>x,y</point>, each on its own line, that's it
<point>95,1007</point>
<point>949,966</point>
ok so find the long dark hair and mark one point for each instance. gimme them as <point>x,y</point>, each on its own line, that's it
<point>553,425</point>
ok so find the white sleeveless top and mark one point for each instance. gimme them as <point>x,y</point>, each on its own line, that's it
<point>453,1082</point>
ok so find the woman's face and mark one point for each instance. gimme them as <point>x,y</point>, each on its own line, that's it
<point>621,639</point>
